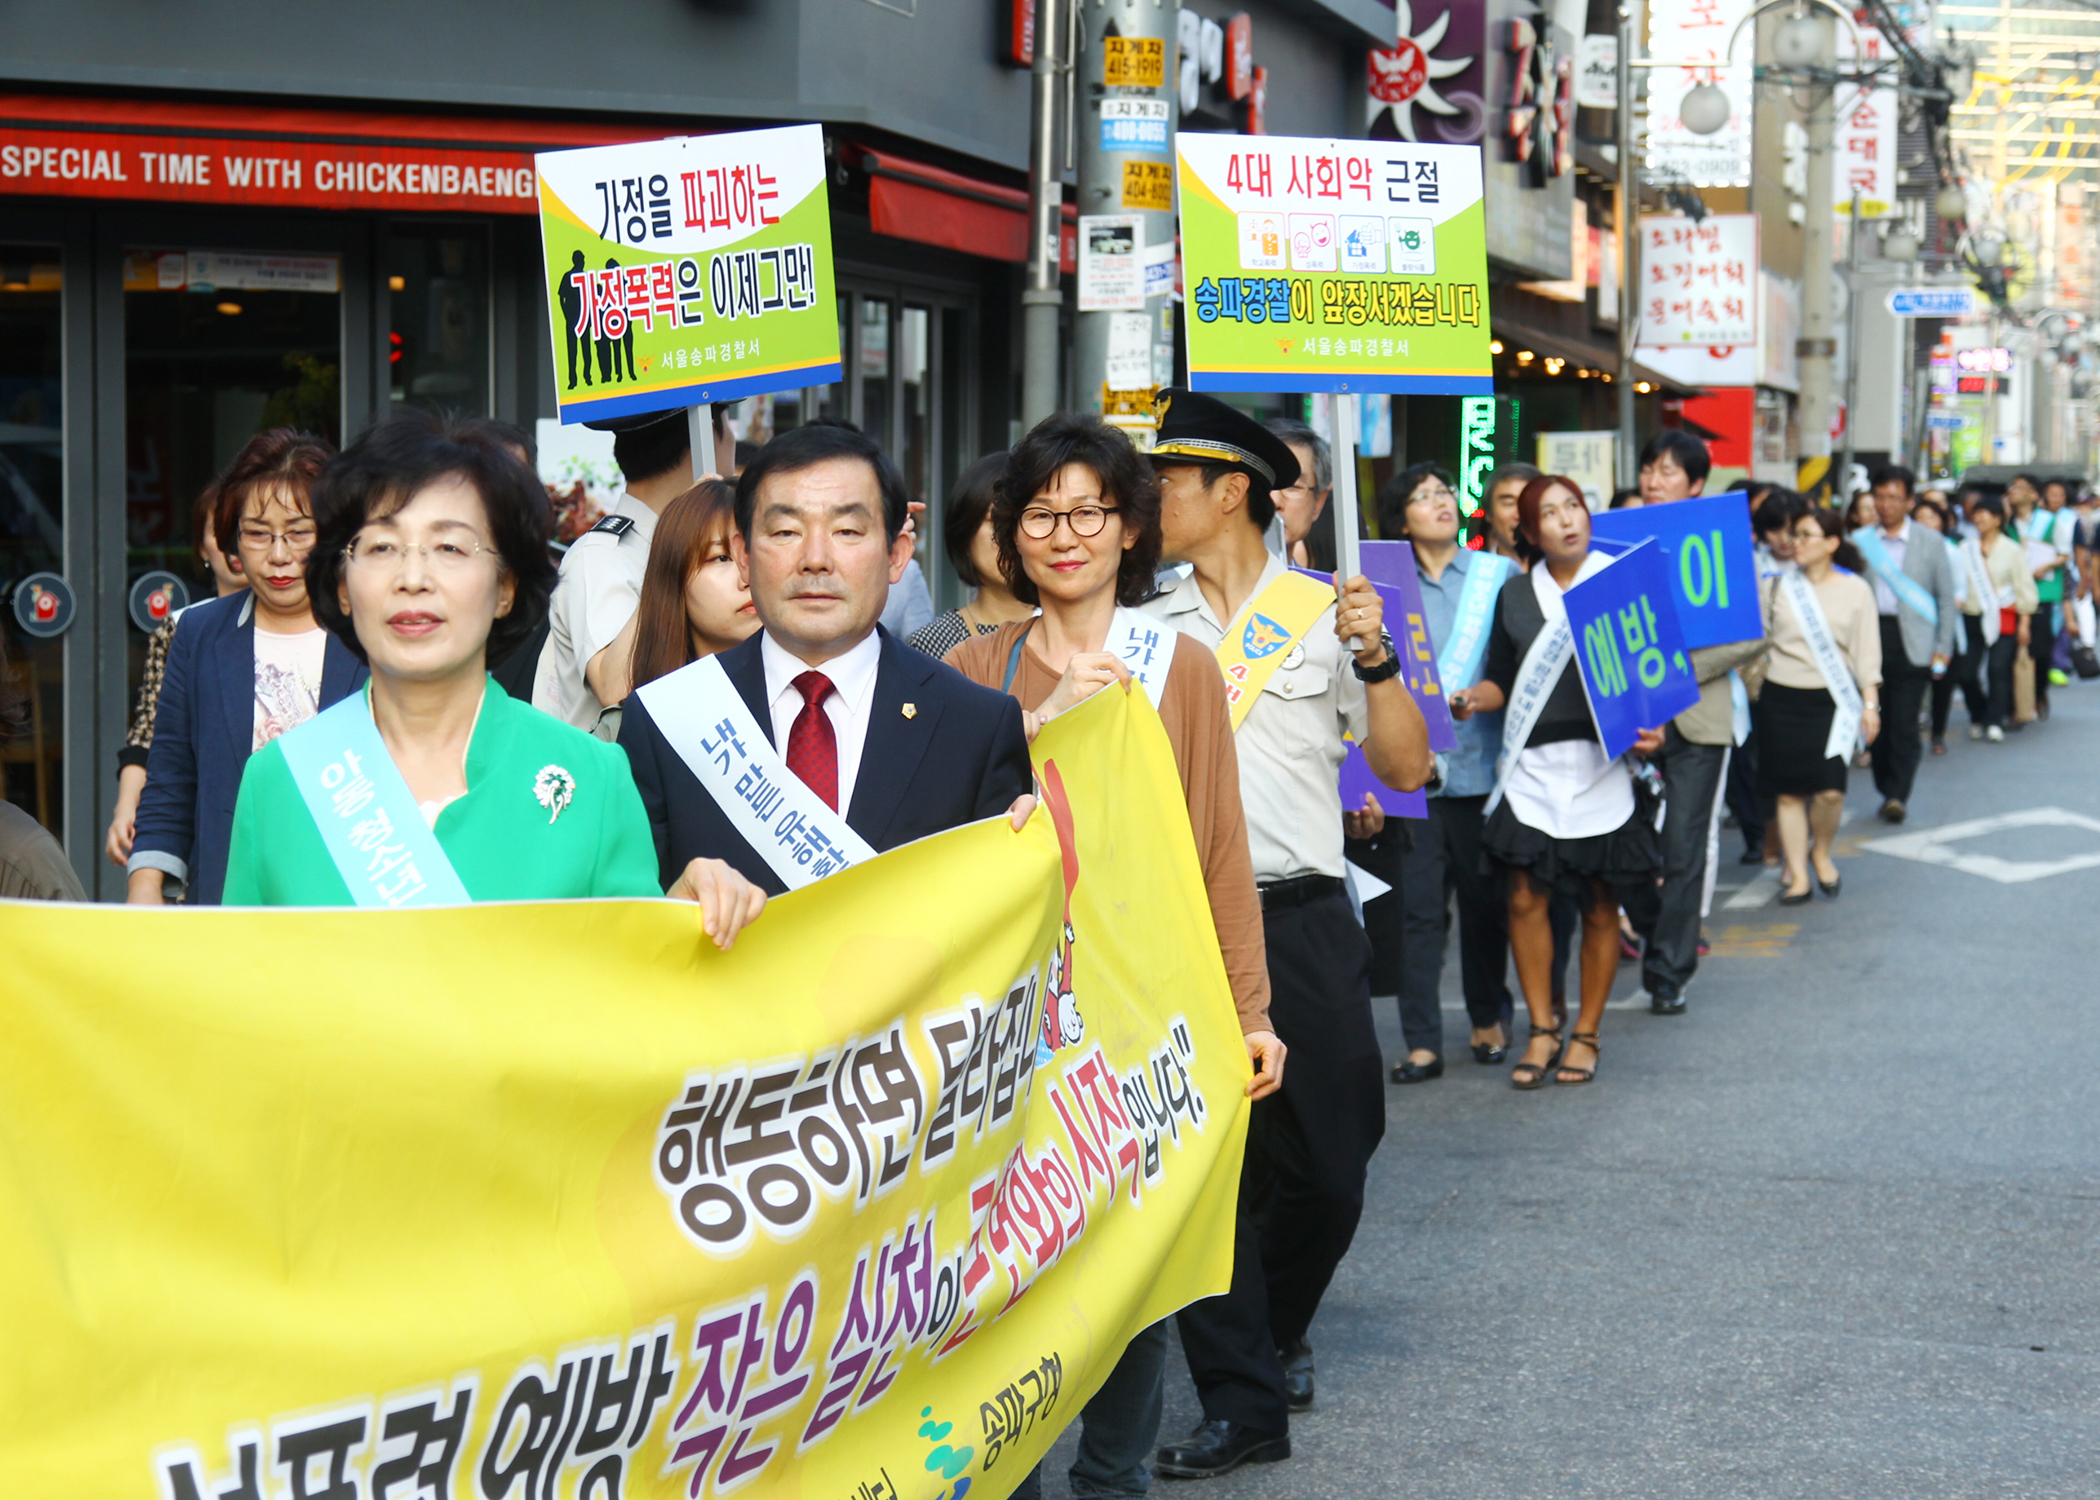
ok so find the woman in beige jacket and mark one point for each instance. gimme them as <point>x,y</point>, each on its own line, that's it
<point>2013,601</point>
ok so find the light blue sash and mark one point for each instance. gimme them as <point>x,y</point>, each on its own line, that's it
<point>1906,588</point>
<point>368,818</point>
<point>1459,665</point>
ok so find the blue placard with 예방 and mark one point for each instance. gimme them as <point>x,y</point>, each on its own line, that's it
<point>1630,649</point>
<point>1709,557</point>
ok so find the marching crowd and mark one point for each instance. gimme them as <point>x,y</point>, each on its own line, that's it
<point>400,698</point>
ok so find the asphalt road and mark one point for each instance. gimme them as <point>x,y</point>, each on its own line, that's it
<point>1835,1232</point>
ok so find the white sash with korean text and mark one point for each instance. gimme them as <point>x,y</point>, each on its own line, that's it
<point>1145,644</point>
<point>1550,653</point>
<point>1906,588</point>
<point>1815,630</point>
<point>1459,664</point>
<point>705,720</point>
<point>368,818</point>
<point>1980,589</point>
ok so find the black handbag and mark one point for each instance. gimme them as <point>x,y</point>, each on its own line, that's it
<point>2084,662</point>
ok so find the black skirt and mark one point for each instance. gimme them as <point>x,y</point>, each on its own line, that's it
<point>1793,726</point>
<point>1626,859</point>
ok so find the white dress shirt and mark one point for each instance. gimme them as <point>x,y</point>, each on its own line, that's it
<point>1884,596</point>
<point>853,695</point>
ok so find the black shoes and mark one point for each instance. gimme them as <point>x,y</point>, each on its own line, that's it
<point>1488,1054</point>
<point>1219,1447</point>
<point>1893,810</point>
<point>1666,1002</point>
<point>1412,1072</point>
<point>1298,1375</point>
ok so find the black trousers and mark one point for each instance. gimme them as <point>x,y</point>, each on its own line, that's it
<point>1668,919</point>
<point>1742,790</point>
<point>1309,1149</point>
<point>2041,645</point>
<point>1444,861</point>
<point>1966,672</point>
<point>1903,687</point>
<point>2002,652</point>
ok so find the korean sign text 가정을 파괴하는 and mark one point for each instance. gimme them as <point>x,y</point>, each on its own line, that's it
<point>688,270</point>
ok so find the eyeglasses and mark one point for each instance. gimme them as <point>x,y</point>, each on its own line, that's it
<point>1813,534</point>
<point>1432,492</point>
<point>262,539</point>
<point>1040,522</point>
<point>380,553</point>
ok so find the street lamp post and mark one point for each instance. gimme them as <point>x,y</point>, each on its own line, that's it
<point>1629,247</point>
<point>1818,344</point>
<point>1042,301</point>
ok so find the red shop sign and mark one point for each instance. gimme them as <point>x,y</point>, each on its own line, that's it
<point>303,174</point>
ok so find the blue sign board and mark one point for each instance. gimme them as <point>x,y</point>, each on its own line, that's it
<point>1712,563</point>
<point>1134,125</point>
<point>1630,648</point>
<point>1933,302</point>
<point>1946,421</point>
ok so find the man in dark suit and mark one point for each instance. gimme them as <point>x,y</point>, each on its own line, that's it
<point>901,744</point>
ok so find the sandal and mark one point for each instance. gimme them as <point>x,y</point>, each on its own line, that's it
<point>1582,1075</point>
<point>1538,1071</point>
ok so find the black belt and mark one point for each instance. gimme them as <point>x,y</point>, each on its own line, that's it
<point>1300,890</point>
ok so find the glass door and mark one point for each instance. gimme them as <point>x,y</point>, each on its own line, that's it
<point>33,528</point>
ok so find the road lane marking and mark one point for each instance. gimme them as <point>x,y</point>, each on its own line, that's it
<point>1932,846</point>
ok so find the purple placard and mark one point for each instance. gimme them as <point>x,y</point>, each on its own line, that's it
<point>1391,568</point>
<point>1357,782</point>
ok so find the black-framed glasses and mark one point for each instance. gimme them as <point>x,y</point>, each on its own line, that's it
<point>1040,522</point>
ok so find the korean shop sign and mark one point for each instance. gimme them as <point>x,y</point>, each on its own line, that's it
<point>1331,265</point>
<point>688,270</point>
<point>1699,281</point>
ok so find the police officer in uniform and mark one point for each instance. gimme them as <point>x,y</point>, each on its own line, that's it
<point>1294,688</point>
<point>601,578</point>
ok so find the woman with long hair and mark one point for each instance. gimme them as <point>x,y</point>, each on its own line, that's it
<point>1821,696</point>
<point>693,604</point>
<point>1566,817</point>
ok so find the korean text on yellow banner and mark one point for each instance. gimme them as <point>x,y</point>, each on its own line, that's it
<point>513,1202</point>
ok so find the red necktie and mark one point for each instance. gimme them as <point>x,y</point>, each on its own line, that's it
<point>813,746</point>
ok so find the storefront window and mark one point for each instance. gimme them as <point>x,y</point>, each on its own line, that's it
<point>32,518</point>
<point>915,397</point>
<point>876,403</point>
<point>437,278</point>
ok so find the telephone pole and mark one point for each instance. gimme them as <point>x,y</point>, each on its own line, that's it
<point>1043,301</point>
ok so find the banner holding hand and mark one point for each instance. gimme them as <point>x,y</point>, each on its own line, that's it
<point>1630,649</point>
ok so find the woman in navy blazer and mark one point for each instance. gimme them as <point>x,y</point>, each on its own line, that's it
<point>206,725</point>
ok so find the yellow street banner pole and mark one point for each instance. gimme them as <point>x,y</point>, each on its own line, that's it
<point>556,1202</point>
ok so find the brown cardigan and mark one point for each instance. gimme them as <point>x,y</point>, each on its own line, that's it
<point>1200,730</point>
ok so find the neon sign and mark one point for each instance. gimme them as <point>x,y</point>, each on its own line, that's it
<point>1476,452</point>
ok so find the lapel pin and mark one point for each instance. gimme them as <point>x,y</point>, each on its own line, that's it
<point>911,710</point>
<point>554,789</point>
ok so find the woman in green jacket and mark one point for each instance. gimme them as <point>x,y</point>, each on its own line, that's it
<point>434,786</point>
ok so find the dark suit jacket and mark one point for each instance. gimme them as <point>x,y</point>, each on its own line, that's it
<point>962,756</point>
<point>202,731</point>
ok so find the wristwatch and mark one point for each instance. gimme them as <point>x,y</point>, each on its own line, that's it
<point>1390,667</point>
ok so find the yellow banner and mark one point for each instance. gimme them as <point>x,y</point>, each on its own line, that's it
<point>1263,633</point>
<point>556,1202</point>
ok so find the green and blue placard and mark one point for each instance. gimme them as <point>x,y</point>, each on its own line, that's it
<point>1630,648</point>
<point>1709,557</point>
<point>1333,265</point>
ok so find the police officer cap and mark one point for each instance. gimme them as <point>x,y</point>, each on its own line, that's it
<point>636,421</point>
<point>1202,429</point>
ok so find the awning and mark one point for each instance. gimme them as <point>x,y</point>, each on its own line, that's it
<point>913,200</point>
<point>1578,352</point>
<point>179,152</point>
